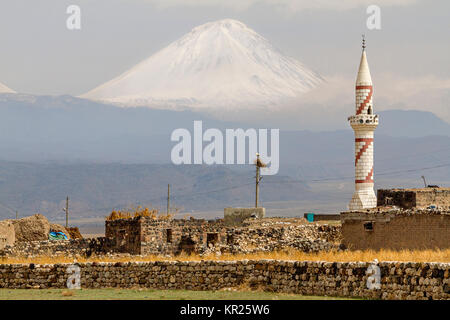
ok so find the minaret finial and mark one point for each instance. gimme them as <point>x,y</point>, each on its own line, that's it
<point>364,42</point>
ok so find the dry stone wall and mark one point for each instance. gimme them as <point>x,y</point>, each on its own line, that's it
<point>406,280</point>
<point>67,248</point>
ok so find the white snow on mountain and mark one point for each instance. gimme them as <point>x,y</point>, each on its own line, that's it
<point>5,89</point>
<point>222,65</point>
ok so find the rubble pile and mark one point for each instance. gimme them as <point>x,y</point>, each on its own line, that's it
<point>277,234</point>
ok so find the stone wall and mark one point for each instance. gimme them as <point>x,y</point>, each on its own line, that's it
<point>126,233</point>
<point>397,280</point>
<point>7,234</point>
<point>66,248</point>
<point>396,229</point>
<point>142,236</point>
<point>414,198</point>
<point>439,197</point>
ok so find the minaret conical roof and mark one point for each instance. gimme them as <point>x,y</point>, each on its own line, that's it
<point>364,78</point>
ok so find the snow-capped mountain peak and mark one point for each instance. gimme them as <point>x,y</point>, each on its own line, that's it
<point>5,89</point>
<point>222,64</point>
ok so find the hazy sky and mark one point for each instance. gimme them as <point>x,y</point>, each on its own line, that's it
<point>409,57</point>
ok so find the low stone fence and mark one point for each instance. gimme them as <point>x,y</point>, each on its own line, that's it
<point>396,280</point>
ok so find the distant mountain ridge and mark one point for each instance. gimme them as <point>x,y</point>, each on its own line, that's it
<point>43,128</point>
<point>106,156</point>
<point>96,189</point>
<point>412,123</point>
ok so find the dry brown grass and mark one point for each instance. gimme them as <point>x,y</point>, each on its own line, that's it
<point>292,255</point>
<point>137,212</point>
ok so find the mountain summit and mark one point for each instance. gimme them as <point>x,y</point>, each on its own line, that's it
<point>5,89</point>
<point>222,65</point>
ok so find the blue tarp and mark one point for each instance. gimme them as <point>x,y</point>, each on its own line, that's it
<point>310,217</point>
<point>57,236</point>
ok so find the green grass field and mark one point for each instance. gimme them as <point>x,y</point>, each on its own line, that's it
<point>147,294</point>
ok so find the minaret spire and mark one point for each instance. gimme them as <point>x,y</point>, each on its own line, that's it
<point>364,123</point>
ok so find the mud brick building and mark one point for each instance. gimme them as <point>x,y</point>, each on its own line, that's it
<point>397,229</point>
<point>404,219</point>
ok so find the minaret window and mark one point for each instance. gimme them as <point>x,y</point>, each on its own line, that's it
<point>369,111</point>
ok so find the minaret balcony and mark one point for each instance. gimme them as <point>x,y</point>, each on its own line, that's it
<point>364,120</point>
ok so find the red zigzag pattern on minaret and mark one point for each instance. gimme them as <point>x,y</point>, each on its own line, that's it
<point>369,178</point>
<point>366,101</point>
<point>367,142</point>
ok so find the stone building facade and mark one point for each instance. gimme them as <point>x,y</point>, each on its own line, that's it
<point>146,236</point>
<point>414,198</point>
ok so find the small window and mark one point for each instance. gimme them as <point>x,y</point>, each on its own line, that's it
<point>369,111</point>
<point>212,238</point>
<point>169,235</point>
<point>230,239</point>
<point>122,234</point>
<point>368,226</point>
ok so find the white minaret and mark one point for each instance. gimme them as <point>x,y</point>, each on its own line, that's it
<point>364,123</point>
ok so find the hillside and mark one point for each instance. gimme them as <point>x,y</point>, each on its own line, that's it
<point>412,123</point>
<point>96,189</point>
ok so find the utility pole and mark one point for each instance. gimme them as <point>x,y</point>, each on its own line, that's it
<point>258,165</point>
<point>257,185</point>
<point>168,198</point>
<point>66,210</point>
<point>424,181</point>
